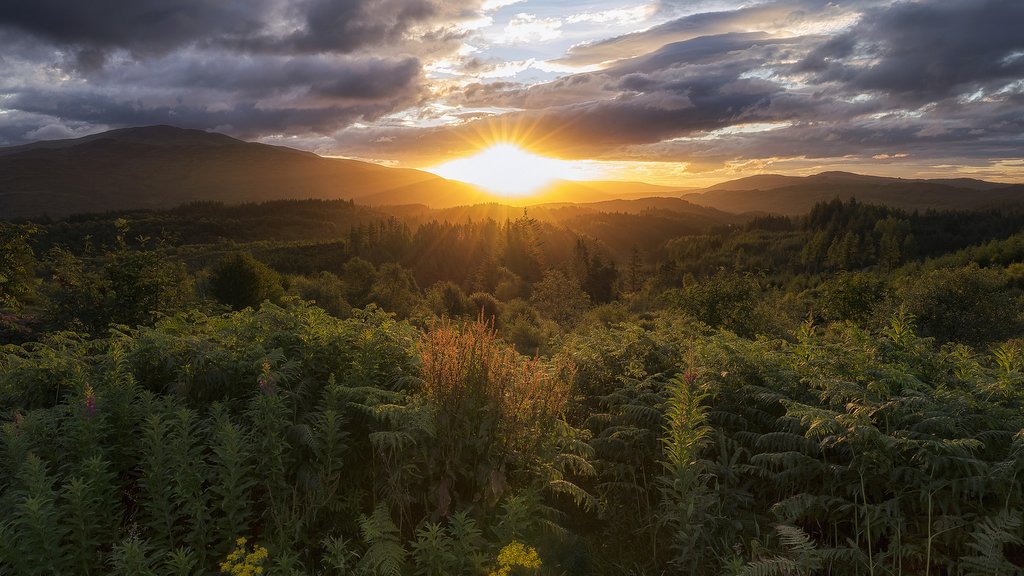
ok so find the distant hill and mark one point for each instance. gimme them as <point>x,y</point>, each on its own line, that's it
<point>791,195</point>
<point>163,166</point>
<point>157,167</point>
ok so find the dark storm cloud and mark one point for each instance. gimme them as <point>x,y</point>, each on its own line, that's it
<point>139,25</point>
<point>248,97</point>
<point>926,51</point>
<point>251,65</point>
<point>246,119</point>
<point>266,75</point>
<point>282,26</point>
<point>345,26</point>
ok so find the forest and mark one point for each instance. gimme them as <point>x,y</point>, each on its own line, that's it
<point>645,388</point>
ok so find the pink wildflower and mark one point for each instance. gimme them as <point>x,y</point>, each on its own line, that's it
<point>90,401</point>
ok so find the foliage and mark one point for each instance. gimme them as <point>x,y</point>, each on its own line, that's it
<point>970,304</point>
<point>447,299</point>
<point>240,281</point>
<point>726,300</point>
<point>494,413</point>
<point>560,298</point>
<point>326,290</point>
<point>125,286</point>
<point>690,426</point>
<point>17,264</point>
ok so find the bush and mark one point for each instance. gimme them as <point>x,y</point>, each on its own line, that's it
<point>727,300</point>
<point>485,306</point>
<point>447,299</point>
<point>560,298</point>
<point>327,290</point>
<point>971,305</point>
<point>240,281</point>
<point>852,296</point>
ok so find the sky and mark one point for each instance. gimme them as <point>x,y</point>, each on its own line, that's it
<point>680,92</point>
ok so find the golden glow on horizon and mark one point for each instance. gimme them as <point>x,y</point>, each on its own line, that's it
<point>508,170</point>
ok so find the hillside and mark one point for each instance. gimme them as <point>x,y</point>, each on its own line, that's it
<point>162,166</point>
<point>157,167</point>
<point>792,195</point>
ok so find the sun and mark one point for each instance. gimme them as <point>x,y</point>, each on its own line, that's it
<point>507,170</point>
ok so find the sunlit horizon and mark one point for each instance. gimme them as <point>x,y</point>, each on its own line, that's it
<point>507,169</point>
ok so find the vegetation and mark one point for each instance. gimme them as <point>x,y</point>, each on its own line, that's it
<point>839,393</point>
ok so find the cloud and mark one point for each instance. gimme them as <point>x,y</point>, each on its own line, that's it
<point>714,84</point>
<point>925,51</point>
<point>260,76</point>
<point>248,65</point>
<point>699,100</point>
<point>526,28</point>
<point>248,96</point>
<point>144,26</point>
<point>618,16</point>
<point>768,17</point>
<point>149,27</point>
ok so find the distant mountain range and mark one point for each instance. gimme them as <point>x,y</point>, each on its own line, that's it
<point>791,195</point>
<point>163,166</point>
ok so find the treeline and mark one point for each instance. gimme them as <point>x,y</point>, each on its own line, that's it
<point>835,236</point>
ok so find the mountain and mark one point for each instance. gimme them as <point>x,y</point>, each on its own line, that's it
<point>792,195</point>
<point>163,166</point>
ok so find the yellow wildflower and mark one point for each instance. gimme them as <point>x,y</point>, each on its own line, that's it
<point>241,562</point>
<point>516,554</point>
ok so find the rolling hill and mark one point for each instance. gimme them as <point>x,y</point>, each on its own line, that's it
<point>792,195</point>
<point>162,166</point>
<point>157,167</point>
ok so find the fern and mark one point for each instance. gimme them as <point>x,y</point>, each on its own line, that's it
<point>133,557</point>
<point>179,562</point>
<point>37,522</point>
<point>800,557</point>
<point>988,542</point>
<point>155,492</point>
<point>232,477</point>
<point>683,483</point>
<point>88,511</point>
<point>384,555</point>
<point>433,551</point>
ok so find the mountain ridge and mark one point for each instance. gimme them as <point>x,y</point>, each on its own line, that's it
<point>794,195</point>
<point>162,166</point>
